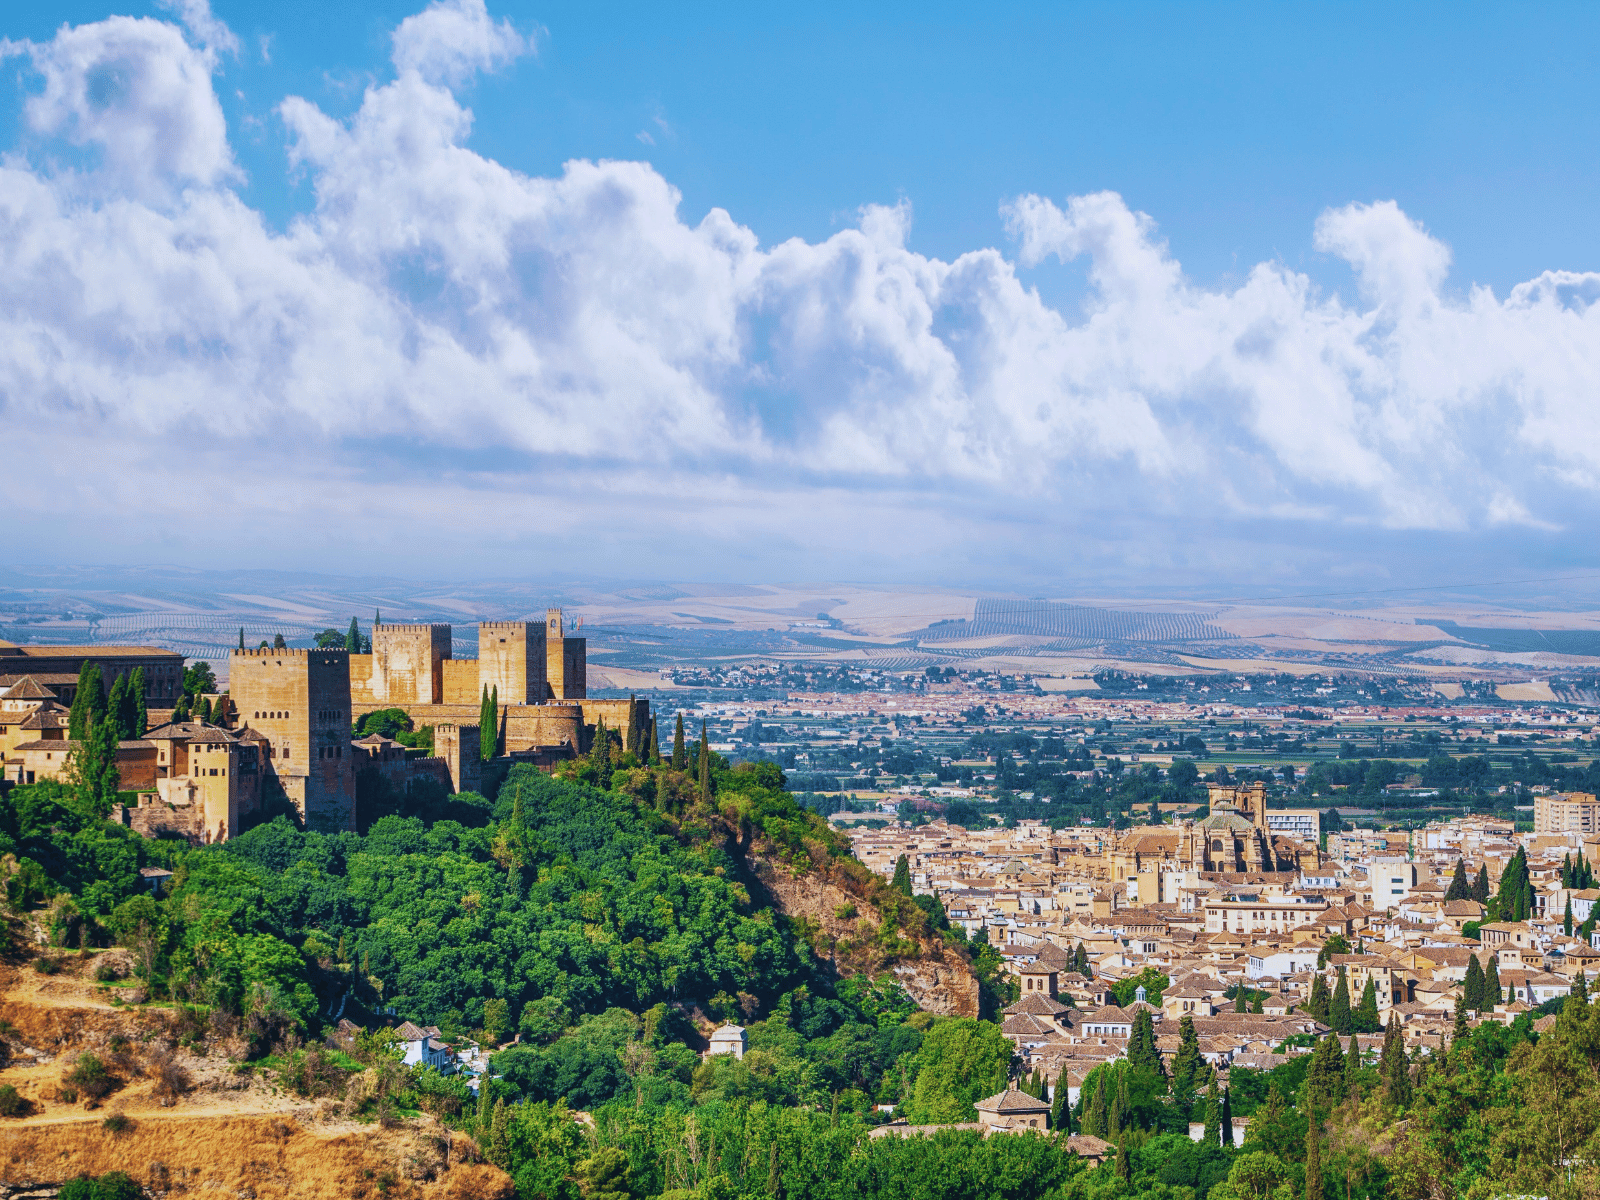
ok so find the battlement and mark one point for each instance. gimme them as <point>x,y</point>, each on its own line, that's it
<point>325,657</point>
<point>507,624</point>
<point>433,630</point>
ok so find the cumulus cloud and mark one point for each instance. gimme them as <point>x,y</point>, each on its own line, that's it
<point>441,337</point>
<point>453,39</point>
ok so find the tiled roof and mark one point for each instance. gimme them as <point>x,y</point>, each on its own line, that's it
<point>1013,1101</point>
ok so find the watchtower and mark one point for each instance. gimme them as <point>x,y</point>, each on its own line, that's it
<point>406,663</point>
<point>566,660</point>
<point>512,658</point>
<point>299,702</point>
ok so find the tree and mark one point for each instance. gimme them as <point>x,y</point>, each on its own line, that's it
<point>1324,1082</point>
<point>961,1060</point>
<point>88,702</point>
<point>655,744</point>
<point>1213,1130</point>
<point>1225,1130</point>
<point>496,1017</point>
<point>138,925</point>
<point>1352,1064</point>
<point>1366,1018</point>
<point>1060,1110</point>
<point>136,719</point>
<point>329,639</point>
<point>604,1175</point>
<point>278,643</point>
<point>1124,1164</point>
<point>1461,1028</point>
<point>92,768</point>
<point>1094,1116</point>
<point>1142,1053</point>
<point>1566,918</point>
<point>1239,1005</point>
<point>902,875</point>
<point>1314,1162</point>
<point>680,760</point>
<point>1339,1015</point>
<point>352,637</point>
<point>1492,992</point>
<point>1318,1002</point>
<point>241,637</point>
<point>600,754</point>
<point>1472,989</point>
<point>488,721</point>
<point>116,702</point>
<point>1480,885</point>
<point>1392,1067</point>
<point>1459,888</point>
<point>705,764</point>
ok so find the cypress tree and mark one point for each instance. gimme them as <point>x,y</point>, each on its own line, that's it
<point>1187,1062</point>
<point>1314,1162</point>
<point>655,744</point>
<point>600,754</point>
<point>1461,1027</point>
<point>1392,1066</point>
<point>377,619</point>
<point>352,639</point>
<point>1060,1111</point>
<point>1472,989</point>
<point>1317,1003</point>
<point>485,750</point>
<point>1566,870</point>
<point>1366,1019</point>
<point>1117,1120</point>
<point>495,722</point>
<point>1124,1165</point>
<point>1480,885</point>
<point>1459,888</point>
<point>1094,1117</point>
<point>1255,1005</point>
<point>1580,987</point>
<point>902,875</point>
<point>116,703</point>
<point>1492,992</point>
<point>204,711</point>
<point>1566,918</point>
<point>1238,1001</point>
<point>1213,1131</point>
<point>83,701</point>
<point>1324,1085</point>
<point>1352,1064</point>
<point>141,715</point>
<point>1226,1129</point>
<point>1339,1015</point>
<point>705,763</point>
<point>241,637</point>
<point>680,760</point>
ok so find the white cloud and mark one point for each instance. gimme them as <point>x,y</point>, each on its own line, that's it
<point>451,40</point>
<point>442,339</point>
<point>208,29</point>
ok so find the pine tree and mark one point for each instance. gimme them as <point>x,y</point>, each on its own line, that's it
<point>1318,1002</point>
<point>1314,1162</point>
<point>1472,989</point>
<point>1094,1117</point>
<point>352,639</point>
<point>902,875</point>
<point>140,723</point>
<point>1492,993</point>
<point>680,760</point>
<point>1480,886</point>
<point>1566,918</point>
<point>1213,1131</point>
<point>116,703</point>
<point>1339,1015</point>
<point>1459,888</point>
<point>1366,1018</point>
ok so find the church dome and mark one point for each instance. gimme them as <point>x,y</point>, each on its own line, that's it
<point>1227,817</point>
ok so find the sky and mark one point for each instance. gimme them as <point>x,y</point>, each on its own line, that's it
<point>1143,298</point>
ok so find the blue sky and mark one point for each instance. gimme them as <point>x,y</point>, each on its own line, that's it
<point>1365,165</point>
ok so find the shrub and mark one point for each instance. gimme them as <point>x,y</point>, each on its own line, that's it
<point>171,1079</point>
<point>12,1104</point>
<point>46,965</point>
<point>117,1123</point>
<point>107,972</point>
<point>90,1077</point>
<point>113,1186</point>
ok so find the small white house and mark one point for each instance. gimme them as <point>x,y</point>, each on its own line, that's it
<point>730,1039</point>
<point>424,1048</point>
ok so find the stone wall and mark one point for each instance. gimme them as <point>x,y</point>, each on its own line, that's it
<point>299,701</point>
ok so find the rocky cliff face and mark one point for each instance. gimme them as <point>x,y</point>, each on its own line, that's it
<point>937,977</point>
